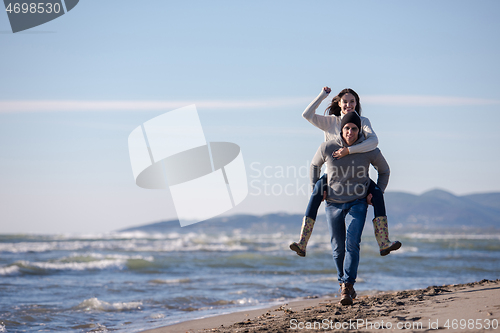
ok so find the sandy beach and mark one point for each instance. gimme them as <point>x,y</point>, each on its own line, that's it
<point>471,307</point>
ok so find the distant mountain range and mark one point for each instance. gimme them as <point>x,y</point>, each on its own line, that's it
<point>436,209</point>
<point>441,209</point>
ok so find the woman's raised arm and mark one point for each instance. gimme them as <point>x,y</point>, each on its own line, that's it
<point>320,121</point>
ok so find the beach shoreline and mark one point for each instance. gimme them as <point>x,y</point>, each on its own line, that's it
<point>469,307</point>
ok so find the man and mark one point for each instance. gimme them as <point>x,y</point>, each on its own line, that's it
<point>345,195</point>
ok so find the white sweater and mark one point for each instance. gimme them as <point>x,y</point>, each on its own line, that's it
<point>331,126</point>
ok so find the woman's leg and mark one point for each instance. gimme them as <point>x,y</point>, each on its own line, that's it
<point>380,225</point>
<point>316,198</point>
<point>310,217</point>
<point>377,199</point>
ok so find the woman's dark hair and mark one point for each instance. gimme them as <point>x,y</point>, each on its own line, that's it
<point>334,108</point>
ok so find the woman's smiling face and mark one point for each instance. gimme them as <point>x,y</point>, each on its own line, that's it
<point>347,103</point>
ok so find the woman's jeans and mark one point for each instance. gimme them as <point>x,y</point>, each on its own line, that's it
<point>317,197</point>
<point>345,223</point>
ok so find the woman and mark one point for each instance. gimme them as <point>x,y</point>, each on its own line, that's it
<point>346,101</point>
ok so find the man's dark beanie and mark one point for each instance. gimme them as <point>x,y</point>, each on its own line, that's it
<point>351,117</point>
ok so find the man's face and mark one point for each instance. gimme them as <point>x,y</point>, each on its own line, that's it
<point>347,103</point>
<point>350,133</point>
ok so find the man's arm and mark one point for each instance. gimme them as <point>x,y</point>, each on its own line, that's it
<point>383,170</point>
<point>316,164</point>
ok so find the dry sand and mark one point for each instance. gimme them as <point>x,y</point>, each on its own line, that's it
<point>471,307</point>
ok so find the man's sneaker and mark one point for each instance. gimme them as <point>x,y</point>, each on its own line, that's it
<point>348,294</point>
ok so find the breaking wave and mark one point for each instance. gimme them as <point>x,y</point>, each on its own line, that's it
<point>94,304</point>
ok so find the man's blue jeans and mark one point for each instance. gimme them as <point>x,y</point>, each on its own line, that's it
<point>345,223</point>
<point>317,197</point>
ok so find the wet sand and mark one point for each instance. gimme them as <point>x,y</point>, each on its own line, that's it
<point>471,307</point>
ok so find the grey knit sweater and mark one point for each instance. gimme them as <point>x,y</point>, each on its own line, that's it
<point>348,177</point>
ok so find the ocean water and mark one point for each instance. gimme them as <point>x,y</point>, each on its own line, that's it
<point>132,281</point>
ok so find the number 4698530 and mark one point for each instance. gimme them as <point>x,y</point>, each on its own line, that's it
<point>471,324</point>
<point>33,8</point>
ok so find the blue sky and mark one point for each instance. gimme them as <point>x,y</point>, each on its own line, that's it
<point>73,89</point>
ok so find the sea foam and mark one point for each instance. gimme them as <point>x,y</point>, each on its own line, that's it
<point>454,236</point>
<point>23,265</point>
<point>9,270</point>
<point>94,304</point>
